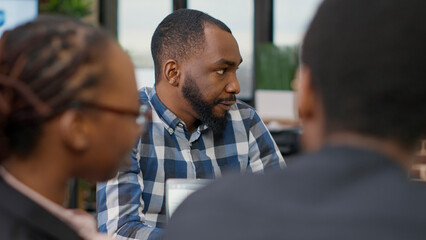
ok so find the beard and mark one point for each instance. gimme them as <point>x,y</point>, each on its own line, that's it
<point>204,109</point>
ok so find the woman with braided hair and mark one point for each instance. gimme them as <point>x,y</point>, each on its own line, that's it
<point>64,88</point>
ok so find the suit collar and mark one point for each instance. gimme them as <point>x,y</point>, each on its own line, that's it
<point>33,215</point>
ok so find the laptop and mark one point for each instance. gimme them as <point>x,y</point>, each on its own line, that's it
<point>178,189</point>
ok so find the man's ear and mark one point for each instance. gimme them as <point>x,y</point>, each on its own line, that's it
<point>306,106</point>
<point>171,72</point>
<point>74,131</point>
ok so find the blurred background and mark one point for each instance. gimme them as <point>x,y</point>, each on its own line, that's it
<point>268,32</point>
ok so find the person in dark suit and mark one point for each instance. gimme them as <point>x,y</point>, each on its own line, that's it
<point>361,100</point>
<point>22,218</point>
<point>64,87</point>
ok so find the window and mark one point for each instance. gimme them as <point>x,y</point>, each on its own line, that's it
<point>137,21</point>
<point>16,12</point>
<point>291,19</point>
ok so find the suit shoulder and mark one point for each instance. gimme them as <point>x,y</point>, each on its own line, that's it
<point>12,227</point>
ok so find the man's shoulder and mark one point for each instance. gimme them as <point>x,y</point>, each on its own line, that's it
<point>232,187</point>
<point>347,186</point>
<point>308,173</point>
<point>243,110</point>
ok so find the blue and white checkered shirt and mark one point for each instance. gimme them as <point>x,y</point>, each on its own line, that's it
<point>133,203</point>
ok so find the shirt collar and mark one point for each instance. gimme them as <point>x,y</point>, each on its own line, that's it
<point>169,118</point>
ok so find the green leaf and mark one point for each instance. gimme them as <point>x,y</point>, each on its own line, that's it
<point>275,66</point>
<point>74,8</point>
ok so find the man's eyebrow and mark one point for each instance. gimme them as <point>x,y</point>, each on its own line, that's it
<point>227,62</point>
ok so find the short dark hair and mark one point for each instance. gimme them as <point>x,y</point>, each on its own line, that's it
<point>368,65</point>
<point>44,65</point>
<point>180,35</point>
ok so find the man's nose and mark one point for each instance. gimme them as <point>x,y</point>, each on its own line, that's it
<point>233,85</point>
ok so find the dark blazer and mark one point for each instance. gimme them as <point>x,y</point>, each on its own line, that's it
<point>21,218</point>
<point>336,193</point>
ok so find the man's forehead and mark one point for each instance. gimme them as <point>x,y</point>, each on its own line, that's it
<point>220,46</point>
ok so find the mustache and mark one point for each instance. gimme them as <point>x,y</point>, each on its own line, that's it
<point>230,98</point>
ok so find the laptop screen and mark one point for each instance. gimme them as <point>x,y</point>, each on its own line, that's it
<point>178,190</point>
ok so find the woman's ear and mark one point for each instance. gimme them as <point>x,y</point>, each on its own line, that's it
<point>74,131</point>
<point>171,72</point>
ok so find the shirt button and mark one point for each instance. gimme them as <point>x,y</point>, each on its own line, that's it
<point>170,131</point>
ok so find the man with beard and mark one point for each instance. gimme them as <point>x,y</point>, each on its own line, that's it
<point>361,89</point>
<point>198,130</point>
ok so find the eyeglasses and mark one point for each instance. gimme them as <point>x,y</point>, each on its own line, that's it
<point>141,115</point>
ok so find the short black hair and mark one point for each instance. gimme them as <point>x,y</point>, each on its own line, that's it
<point>368,65</point>
<point>180,35</point>
<point>44,66</point>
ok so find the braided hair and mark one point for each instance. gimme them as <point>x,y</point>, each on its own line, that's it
<point>44,65</point>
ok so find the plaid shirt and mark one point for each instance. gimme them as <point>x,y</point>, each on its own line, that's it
<point>133,203</point>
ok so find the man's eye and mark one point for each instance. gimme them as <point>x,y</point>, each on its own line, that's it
<point>221,71</point>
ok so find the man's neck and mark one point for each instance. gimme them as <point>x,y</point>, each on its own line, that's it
<point>387,147</point>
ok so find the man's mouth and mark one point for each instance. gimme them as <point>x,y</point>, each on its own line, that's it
<point>226,105</point>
